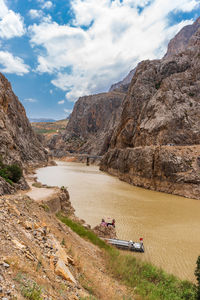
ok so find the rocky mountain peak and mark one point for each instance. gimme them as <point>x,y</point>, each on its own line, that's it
<point>182,39</point>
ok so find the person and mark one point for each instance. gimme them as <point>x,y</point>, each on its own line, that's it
<point>111,224</point>
<point>103,223</point>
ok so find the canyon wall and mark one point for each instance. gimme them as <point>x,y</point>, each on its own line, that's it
<point>90,126</point>
<point>19,143</point>
<point>157,141</point>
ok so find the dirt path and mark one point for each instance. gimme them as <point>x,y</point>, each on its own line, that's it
<point>39,193</point>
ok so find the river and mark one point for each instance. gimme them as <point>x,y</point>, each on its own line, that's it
<point>169,224</point>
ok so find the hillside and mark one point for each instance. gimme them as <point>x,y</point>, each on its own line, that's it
<point>49,128</point>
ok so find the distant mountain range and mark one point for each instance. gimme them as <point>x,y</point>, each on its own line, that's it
<point>41,120</point>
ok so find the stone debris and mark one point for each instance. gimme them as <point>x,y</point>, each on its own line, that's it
<point>28,246</point>
<point>62,270</point>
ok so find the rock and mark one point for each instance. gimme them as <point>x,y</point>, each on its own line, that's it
<point>182,39</point>
<point>91,124</point>
<point>124,84</point>
<point>6,265</point>
<point>28,225</point>
<point>6,188</point>
<point>64,272</point>
<point>157,141</point>
<point>18,244</point>
<point>105,231</point>
<point>61,254</point>
<point>19,143</point>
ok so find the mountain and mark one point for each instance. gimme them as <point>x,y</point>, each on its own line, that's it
<point>39,120</point>
<point>90,125</point>
<point>123,85</point>
<point>182,40</point>
<point>156,144</point>
<point>19,143</point>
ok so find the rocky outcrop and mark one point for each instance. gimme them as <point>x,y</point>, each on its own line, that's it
<point>91,123</point>
<point>6,188</point>
<point>170,169</point>
<point>19,144</point>
<point>181,41</point>
<point>105,231</point>
<point>123,85</point>
<point>60,201</point>
<point>162,112</point>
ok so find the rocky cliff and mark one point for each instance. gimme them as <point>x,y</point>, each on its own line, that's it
<point>18,141</point>
<point>123,85</point>
<point>91,125</point>
<point>157,142</point>
<point>182,39</point>
<point>19,144</point>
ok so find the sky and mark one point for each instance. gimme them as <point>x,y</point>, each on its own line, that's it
<point>54,52</point>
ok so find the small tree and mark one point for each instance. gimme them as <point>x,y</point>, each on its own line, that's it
<point>197,274</point>
<point>15,173</point>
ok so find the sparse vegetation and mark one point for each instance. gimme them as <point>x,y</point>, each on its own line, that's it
<point>157,85</point>
<point>11,173</point>
<point>45,207</point>
<point>197,274</point>
<point>29,288</point>
<point>37,184</point>
<point>49,128</point>
<point>83,232</point>
<point>147,280</point>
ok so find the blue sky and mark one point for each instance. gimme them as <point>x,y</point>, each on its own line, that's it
<point>55,51</point>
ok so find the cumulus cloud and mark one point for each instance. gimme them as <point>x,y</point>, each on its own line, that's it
<point>47,5</point>
<point>12,64</point>
<point>61,102</point>
<point>11,23</point>
<point>30,100</point>
<point>104,41</point>
<point>35,14</point>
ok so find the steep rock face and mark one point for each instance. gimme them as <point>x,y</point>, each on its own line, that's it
<point>162,108</point>
<point>92,121</point>
<point>182,39</point>
<point>19,143</point>
<point>123,85</point>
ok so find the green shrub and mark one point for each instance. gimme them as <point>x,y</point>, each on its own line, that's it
<point>5,173</point>
<point>197,274</point>
<point>15,172</point>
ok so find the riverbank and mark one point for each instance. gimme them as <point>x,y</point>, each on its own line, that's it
<point>46,260</point>
<point>168,224</point>
<point>49,259</point>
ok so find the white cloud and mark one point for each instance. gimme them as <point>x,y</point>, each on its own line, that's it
<point>117,38</point>
<point>12,64</point>
<point>35,14</point>
<point>47,5</point>
<point>30,100</point>
<point>51,92</point>
<point>61,102</point>
<point>11,23</point>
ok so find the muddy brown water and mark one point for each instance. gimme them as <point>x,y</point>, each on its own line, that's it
<point>169,224</point>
